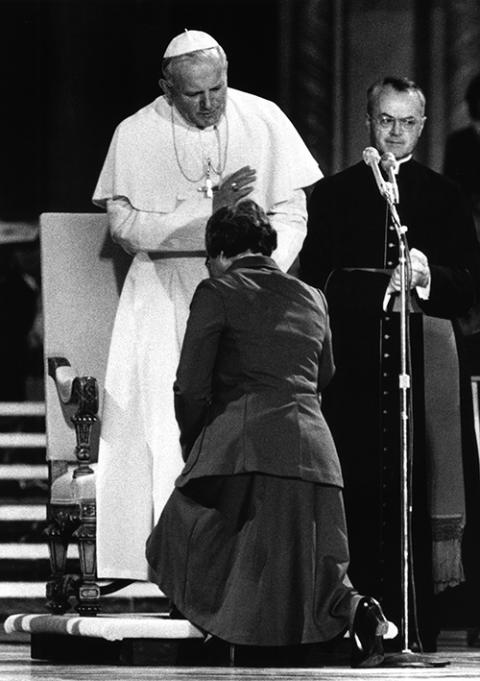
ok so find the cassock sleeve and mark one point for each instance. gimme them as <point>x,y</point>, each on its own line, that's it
<point>137,230</point>
<point>455,260</point>
<point>289,218</point>
<point>354,290</point>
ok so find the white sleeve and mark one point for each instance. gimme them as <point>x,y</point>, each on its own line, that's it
<point>138,230</point>
<point>289,218</point>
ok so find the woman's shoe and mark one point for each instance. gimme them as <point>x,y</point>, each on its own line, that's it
<point>369,627</point>
<point>175,614</point>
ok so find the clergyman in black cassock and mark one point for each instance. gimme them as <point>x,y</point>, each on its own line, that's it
<point>351,251</point>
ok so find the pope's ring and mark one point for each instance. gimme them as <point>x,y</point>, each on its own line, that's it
<point>234,186</point>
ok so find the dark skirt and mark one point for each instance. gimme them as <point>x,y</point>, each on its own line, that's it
<point>255,559</point>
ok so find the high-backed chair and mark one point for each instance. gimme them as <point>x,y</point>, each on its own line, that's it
<point>82,275</point>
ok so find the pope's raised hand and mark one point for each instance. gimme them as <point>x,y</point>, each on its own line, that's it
<point>235,187</point>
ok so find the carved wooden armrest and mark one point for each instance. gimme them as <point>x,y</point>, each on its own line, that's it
<point>81,391</point>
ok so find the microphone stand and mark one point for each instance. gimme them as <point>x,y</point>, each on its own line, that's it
<point>406,658</point>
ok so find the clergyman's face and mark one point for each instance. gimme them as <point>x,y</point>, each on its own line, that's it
<point>396,122</point>
<point>199,91</point>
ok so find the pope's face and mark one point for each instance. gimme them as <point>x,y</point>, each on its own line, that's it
<point>396,122</point>
<point>199,91</point>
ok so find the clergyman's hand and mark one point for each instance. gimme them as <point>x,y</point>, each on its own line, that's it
<point>419,272</point>
<point>235,187</point>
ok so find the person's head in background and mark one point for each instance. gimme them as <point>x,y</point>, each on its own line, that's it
<point>472,98</point>
<point>234,233</point>
<point>395,115</point>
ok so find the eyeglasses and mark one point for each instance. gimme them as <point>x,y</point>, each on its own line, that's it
<point>385,122</point>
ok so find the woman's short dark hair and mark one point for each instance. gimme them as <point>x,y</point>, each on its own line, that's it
<point>242,228</point>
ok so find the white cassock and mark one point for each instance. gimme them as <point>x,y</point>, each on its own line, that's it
<point>152,185</point>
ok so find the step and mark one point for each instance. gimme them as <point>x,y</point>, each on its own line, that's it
<point>36,589</point>
<point>22,512</point>
<point>23,531</point>
<point>23,440</point>
<point>22,523</point>
<point>29,551</point>
<point>25,416</point>
<point>24,491</point>
<point>24,484</point>
<point>25,596</point>
<point>151,639</point>
<point>20,561</point>
<point>109,627</point>
<point>22,455</point>
<point>26,570</point>
<point>22,409</point>
<point>23,472</point>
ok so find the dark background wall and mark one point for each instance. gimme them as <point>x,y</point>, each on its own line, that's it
<point>70,70</point>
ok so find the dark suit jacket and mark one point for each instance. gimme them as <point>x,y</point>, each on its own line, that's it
<point>256,352</point>
<point>462,161</point>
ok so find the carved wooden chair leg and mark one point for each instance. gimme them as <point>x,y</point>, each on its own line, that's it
<point>59,530</point>
<point>86,395</point>
<point>82,392</point>
<point>88,590</point>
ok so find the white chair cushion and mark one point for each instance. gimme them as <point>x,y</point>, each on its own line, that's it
<point>69,490</point>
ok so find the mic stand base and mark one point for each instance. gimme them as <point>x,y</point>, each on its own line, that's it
<point>407,658</point>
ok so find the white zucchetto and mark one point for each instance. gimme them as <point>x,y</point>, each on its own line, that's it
<point>189,41</point>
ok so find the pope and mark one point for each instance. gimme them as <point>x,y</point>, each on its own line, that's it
<point>198,147</point>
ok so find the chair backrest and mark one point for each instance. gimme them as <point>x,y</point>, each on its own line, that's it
<point>82,276</point>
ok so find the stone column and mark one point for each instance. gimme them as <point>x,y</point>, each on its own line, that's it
<point>463,55</point>
<point>313,90</point>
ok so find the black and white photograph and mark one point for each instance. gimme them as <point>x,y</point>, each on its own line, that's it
<point>240,383</point>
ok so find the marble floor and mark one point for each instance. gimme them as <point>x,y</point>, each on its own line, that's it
<point>464,663</point>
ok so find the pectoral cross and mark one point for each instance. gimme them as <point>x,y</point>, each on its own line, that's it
<point>208,186</point>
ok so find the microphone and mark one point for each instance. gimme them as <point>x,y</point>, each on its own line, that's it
<point>372,158</point>
<point>390,165</point>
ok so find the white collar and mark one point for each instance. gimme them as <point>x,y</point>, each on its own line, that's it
<point>401,162</point>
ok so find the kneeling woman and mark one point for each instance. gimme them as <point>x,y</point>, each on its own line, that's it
<point>252,544</point>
